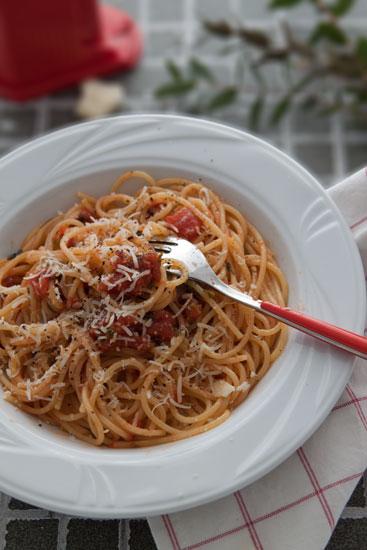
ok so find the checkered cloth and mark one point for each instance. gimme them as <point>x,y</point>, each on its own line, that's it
<point>298,504</point>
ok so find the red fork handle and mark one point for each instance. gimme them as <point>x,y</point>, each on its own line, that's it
<point>339,337</point>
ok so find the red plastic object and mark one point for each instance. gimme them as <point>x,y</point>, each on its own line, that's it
<point>50,44</point>
<point>335,335</point>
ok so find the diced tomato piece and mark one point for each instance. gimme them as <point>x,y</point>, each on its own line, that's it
<point>126,321</point>
<point>117,338</point>
<point>74,303</point>
<point>122,258</point>
<point>40,284</point>
<point>111,286</point>
<point>185,223</point>
<point>136,342</point>
<point>149,261</point>
<point>193,311</point>
<point>11,280</point>
<point>61,231</point>
<point>162,328</point>
<point>154,207</point>
<point>85,215</point>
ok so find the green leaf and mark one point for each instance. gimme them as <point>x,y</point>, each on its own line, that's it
<point>174,70</point>
<point>199,70</point>
<point>280,110</point>
<point>361,49</point>
<point>223,98</point>
<point>341,7</point>
<point>274,4</point>
<point>255,113</point>
<point>360,94</point>
<point>178,88</point>
<point>328,31</point>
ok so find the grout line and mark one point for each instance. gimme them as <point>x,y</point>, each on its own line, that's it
<point>354,513</point>
<point>235,8</point>
<point>122,542</point>
<point>318,137</point>
<point>3,530</point>
<point>189,29</point>
<point>126,536</point>
<point>120,536</point>
<point>3,519</point>
<point>338,147</point>
<point>42,116</point>
<point>143,16</point>
<point>364,483</point>
<point>27,514</point>
<point>287,139</point>
<point>163,26</point>
<point>62,532</point>
<point>306,23</point>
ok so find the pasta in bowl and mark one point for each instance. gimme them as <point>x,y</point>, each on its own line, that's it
<point>100,340</point>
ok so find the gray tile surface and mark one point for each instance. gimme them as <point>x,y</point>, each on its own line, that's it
<point>17,122</point>
<point>145,79</point>
<point>163,11</point>
<point>91,534</point>
<point>164,44</point>
<point>140,536</point>
<point>350,534</point>
<point>60,117</point>
<point>356,155</point>
<point>15,504</point>
<point>306,122</point>
<point>358,498</point>
<point>328,147</point>
<point>25,534</point>
<point>316,156</point>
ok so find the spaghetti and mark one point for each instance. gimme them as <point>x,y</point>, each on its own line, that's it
<point>96,336</point>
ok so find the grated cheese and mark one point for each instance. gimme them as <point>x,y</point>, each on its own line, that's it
<point>179,388</point>
<point>28,390</point>
<point>57,386</point>
<point>221,388</point>
<point>244,386</point>
<point>189,299</point>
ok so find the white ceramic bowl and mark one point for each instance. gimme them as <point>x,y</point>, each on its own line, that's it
<point>315,249</point>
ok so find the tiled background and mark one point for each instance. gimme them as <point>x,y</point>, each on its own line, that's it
<point>330,148</point>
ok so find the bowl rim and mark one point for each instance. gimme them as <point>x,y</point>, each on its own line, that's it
<point>34,143</point>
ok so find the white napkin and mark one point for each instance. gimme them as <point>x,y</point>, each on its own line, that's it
<point>298,504</point>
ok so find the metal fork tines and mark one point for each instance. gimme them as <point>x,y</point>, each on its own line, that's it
<point>164,246</point>
<point>185,252</point>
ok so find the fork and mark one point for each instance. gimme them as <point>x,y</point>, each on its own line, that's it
<point>174,248</point>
